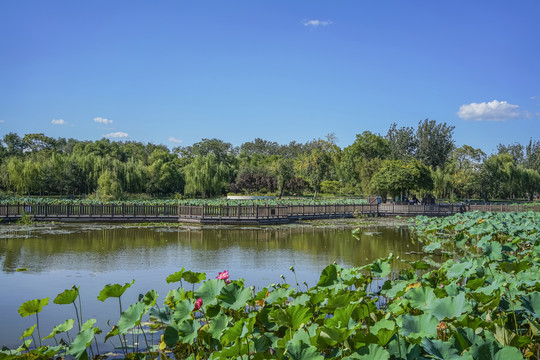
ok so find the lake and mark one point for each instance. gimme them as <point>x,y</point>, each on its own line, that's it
<point>58,256</point>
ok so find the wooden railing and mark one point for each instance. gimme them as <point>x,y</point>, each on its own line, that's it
<point>238,212</point>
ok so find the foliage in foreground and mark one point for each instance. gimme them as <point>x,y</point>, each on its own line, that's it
<point>481,303</point>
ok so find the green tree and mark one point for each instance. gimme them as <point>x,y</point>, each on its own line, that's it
<point>315,167</point>
<point>434,143</point>
<point>206,177</point>
<point>109,187</point>
<point>397,178</point>
<point>402,142</point>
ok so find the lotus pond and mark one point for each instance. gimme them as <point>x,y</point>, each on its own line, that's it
<point>473,294</point>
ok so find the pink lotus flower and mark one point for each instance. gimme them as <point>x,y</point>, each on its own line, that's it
<point>223,275</point>
<point>198,304</point>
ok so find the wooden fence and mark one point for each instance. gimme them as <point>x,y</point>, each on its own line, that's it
<point>231,213</point>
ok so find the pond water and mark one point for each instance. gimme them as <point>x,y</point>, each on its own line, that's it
<point>58,256</point>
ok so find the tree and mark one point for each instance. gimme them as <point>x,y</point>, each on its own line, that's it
<point>530,182</point>
<point>397,177</point>
<point>402,142</point>
<point>362,159</point>
<point>434,143</point>
<point>516,150</point>
<point>109,187</point>
<point>283,170</point>
<point>206,177</point>
<point>314,167</point>
<point>14,144</point>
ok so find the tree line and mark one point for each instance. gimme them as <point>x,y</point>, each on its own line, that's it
<point>421,161</point>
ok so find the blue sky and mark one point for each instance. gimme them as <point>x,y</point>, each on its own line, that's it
<point>177,71</point>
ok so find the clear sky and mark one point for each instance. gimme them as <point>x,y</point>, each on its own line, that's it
<point>178,71</point>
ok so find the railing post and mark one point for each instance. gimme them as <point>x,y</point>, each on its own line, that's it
<point>202,211</point>
<point>257,212</point>
<point>239,209</point>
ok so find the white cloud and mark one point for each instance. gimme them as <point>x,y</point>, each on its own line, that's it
<point>491,111</point>
<point>58,122</point>
<point>175,140</point>
<point>316,23</point>
<point>118,134</point>
<point>102,120</point>
<point>1,121</point>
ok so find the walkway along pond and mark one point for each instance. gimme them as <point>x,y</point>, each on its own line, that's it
<point>233,214</point>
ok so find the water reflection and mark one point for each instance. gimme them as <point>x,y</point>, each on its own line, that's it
<point>91,257</point>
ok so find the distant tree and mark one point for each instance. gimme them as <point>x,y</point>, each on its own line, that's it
<point>224,152</point>
<point>402,142</point>
<point>260,146</point>
<point>397,178</point>
<point>314,167</point>
<point>13,143</point>
<point>206,177</point>
<point>38,142</point>
<point>362,159</point>
<point>516,150</point>
<point>530,182</point>
<point>283,170</point>
<point>434,143</point>
<point>109,187</point>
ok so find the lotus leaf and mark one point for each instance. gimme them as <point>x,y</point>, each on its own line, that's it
<point>114,290</point>
<point>31,307</point>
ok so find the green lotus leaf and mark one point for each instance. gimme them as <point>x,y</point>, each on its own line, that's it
<point>384,330</point>
<point>493,250</point>
<point>415,327</point>
<point>463,338</point>
<point>176,277</point>
<point>32,306</point>
<point>162,315</point>
<point>420,297</point>
<point>234,297</point>
<point>63,327</point>
<point>329,276</point>
<point>381,268</point>
<point>187,331</point>
<point>170,336</point>
<point>150,298</point>
<point>299,350</point>
<point>293,317</point>
<point>449,307</point>
<point>182,311</point>
<point>209,291</point>
<point>508,352</point>
<point>459,270</point>
<point>370,352</point>
<point>217,325</point>
<point>484,349</point>
<point>83,339</point>
<point>439,349</point>
<point>131,317</point>
<point>114,290</point>
<point>432,247</point>
<point>343,317</point>
<point>193,277</point>
<point>241,329</point>
<point>395,288</point>
<point>531,303</point>
<point>67,296</point>
<point>28,332</point>
<point>301,300</point>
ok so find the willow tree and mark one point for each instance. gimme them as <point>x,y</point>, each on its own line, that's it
<point>206,177</point>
